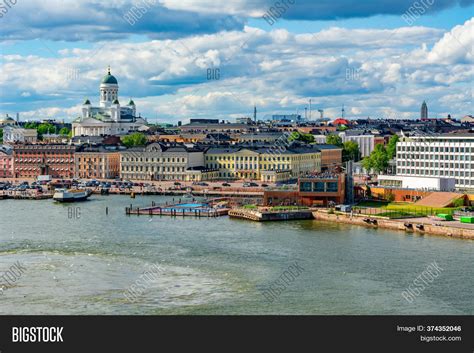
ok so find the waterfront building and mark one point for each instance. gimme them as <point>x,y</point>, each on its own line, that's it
<point>6,161</point>
<point>201,174</point>
<point>317,189</point>
<point>29,161</point>
<point>441,156</point>
<point>160,162</point>
<point>268,164</point>
<point>97,162</point>
<point>109,118</point>
<point>322,188</point>
<point>417,182</point>
<point>14,134</point>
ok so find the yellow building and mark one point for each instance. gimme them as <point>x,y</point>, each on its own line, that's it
<point>263,163</point>
<point>97,163</point>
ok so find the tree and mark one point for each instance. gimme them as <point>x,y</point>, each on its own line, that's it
<point>64,131</point>
<point>135,139</point>
<point>392,146</point>
<point>367,164</point>
<point>31,126</point>
<point>1,135</point>
<point>335,140</point>
<point>298,136</point>
<point>377,161</point>
<point>350,151</point>
<point>46,128</point>
<point>379,158</point>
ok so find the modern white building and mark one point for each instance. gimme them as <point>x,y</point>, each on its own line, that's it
<point>13,134</point>
<point>366,140</point>
<point>417,183</point>
<point>440,156</point>
<point>109,118</point>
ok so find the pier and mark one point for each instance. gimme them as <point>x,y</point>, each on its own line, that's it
<point>179,210</point>
<point>262,215</point>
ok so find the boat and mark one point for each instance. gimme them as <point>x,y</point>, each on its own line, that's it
<point>71,195</point>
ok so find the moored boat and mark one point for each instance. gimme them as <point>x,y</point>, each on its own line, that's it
<point>71,195</point>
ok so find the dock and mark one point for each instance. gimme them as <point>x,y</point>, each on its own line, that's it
<point>262,215</point>
<point>179,210</point>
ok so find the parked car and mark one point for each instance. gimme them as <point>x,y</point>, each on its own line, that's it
<point>250,185</point>
<point>264,185</point>
<point>177,183</point>
<point>225,184</point>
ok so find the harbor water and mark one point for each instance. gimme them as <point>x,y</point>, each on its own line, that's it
<point>79,259</point>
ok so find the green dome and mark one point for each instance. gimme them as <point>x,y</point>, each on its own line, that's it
<point>109,78</point>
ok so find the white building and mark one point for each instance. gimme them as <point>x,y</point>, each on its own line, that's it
<point>109,118</point>
<point>12,134</point>
<point>442,156</point>
<point>365,140</point>
<point>417,183</point>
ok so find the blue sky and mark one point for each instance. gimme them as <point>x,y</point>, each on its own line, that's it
<point>367,55</point>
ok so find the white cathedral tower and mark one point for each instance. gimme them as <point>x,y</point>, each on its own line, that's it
<point>108,90</point>
<point>109,118</point>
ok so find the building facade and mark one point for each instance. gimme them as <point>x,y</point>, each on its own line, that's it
<point>29,161</point>
<point>15,134</point>
<point>159,162</point>
<point>255,163</point>
<point>97,163</point>
<point>442,156</point>
<point>6,162</point>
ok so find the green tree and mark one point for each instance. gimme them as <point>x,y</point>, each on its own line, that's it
<point>298,136</point>
<point>367,164</point>
<point>64,131</point>
<point>31,125</point>
<point>377,161</point>
<point>342,127</point>
<point>1,135</point>
<point>392,146</point>
<point>335,140</point>
<point>46,128</point>
<point>135,139</point>
<point>379,158</point>
<point>350,151</point>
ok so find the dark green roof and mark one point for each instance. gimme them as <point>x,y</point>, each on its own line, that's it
<point>131,102</point>
<point>109,79</point>
<point>87,101</point>
<point>116,101</point>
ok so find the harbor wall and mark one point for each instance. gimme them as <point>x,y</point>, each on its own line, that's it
<point>386,223</point>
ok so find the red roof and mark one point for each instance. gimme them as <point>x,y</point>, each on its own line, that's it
<point>340,122</point>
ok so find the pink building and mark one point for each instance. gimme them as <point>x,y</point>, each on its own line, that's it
<point>6,162</point>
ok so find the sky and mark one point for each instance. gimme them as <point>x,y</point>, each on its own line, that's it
<point>182,59</point>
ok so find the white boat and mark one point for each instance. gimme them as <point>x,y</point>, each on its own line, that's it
<point>71,195</point>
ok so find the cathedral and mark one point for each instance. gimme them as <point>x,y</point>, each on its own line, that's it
<point>109,118</point>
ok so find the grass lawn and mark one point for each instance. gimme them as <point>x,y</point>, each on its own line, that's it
<point>405,208</point>
<point>278,208</point>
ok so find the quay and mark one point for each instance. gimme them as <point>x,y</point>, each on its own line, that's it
<point>262,215</point>
<point>16,195</point>
<point>418,225</point>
